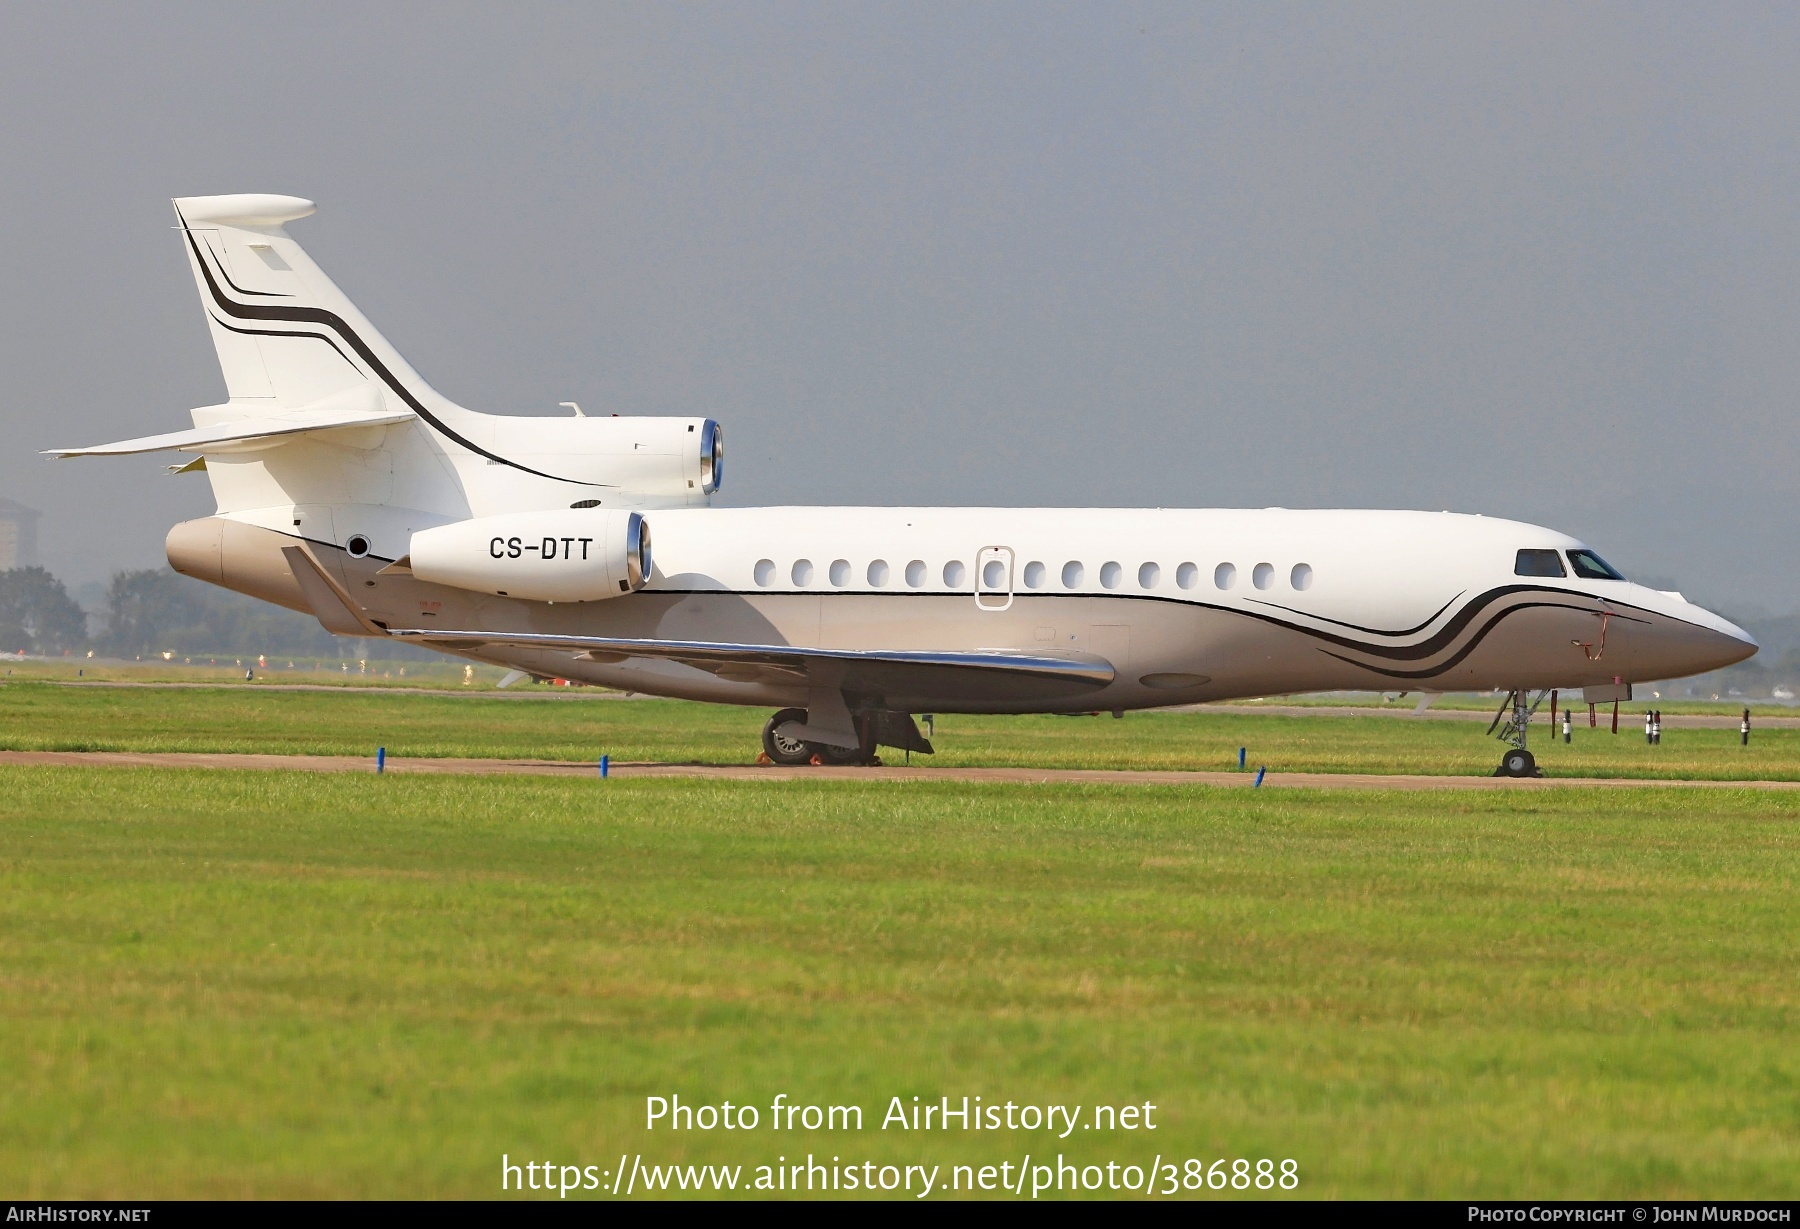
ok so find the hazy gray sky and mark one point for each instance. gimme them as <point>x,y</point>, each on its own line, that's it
<point>1533,261</point>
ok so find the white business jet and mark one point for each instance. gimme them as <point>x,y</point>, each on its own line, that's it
<point>348,488</point>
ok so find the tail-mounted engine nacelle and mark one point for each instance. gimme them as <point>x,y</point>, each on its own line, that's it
<point>649,461</point>
<point>574,556</point>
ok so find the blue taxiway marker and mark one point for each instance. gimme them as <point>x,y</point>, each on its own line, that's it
<point>1259,777</point>
<point>381,759</point>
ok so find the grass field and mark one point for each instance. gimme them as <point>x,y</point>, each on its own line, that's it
<point>285,984</point>
<point>222,984</point>
<point>573,726</point>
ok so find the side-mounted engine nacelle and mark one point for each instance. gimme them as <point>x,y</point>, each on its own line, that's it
<point>575,556</point>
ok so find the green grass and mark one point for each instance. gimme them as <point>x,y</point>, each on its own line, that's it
<point>291,984</point>
<point>565,726</point>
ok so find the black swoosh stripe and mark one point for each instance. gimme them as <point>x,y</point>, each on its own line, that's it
<point>326,338</point>
<point>1444,637</point>
<point>261,294</point>
<point>1373,631</point>
<point>318,315</point>
<point>1462,620</point>
<point>1470,647</point>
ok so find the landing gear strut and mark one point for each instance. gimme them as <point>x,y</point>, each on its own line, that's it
<point>1517,762</point>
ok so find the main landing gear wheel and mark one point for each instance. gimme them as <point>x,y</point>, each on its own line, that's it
<point>1518,763</point>
<point>784,748</point>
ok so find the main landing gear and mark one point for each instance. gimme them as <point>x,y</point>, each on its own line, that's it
<point>1517,762</point>
<point>782,746</point>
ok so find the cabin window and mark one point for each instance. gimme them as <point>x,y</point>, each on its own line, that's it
<point>1538,563</point>
<point>1225,575</point>
<point>1149,576</point>
<point>1262,575</point>
<point>993,574</point>
<point>955,573</point>
<point>1187,576</point>
<point>1109,574</point>
<point>1589,566</point>
<point>1073,574</point>
<point>915,574</point>
<point>878,573</point>
<point>802,572</point>
<point>1034,575</point>
<point>765,572</point>
<point>840,572</point>
<point>1301,577</point>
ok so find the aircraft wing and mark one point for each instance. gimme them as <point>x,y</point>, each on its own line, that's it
<point>891,675</point>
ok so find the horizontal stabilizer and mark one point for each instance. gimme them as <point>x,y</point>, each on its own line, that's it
<point>894,675</point>
<point>244,434</point>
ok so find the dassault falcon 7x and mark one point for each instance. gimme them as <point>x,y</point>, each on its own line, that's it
<point>348,488</point>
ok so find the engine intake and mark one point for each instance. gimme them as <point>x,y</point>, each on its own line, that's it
<point>712,456</point>
<point>572,556</point>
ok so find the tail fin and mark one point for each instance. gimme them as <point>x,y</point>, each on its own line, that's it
<point>287,337</point>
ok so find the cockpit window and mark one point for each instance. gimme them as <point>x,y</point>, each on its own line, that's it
<point>1539,563</point>
<point>1589,566</point>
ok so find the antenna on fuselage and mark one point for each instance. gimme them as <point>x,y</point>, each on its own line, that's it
<point>574,407</point>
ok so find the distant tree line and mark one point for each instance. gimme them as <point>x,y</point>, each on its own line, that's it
<point>157,611</point>
<point>37,614</point>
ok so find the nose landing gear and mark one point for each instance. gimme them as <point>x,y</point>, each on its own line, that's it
<point>1518,762</point>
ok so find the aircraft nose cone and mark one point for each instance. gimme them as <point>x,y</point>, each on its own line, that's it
<point>1694,643</point>
<point>1729,648</point>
